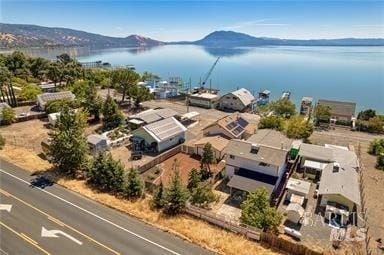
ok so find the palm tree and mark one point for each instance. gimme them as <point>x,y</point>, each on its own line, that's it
<point>123,79</point>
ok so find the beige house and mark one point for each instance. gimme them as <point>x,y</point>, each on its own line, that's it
<point>239,100</point>
<point>218,144</point>
<point>204,100</point>
<point>233,126</point>
<point>340,110</point>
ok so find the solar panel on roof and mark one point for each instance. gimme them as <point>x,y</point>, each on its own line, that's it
<point>231,125</point>
<point>237,130</point>
<point>242,122</point>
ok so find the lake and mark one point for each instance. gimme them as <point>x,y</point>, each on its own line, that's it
<point>339,73</point>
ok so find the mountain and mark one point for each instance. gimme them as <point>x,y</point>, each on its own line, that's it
<point>235,39</point>
<point>16,35</point>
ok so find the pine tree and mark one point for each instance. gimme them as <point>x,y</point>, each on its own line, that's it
<point>134,186</point>
<point>106,174</point>
<point>203,195</point>
<point>208,157</point>
<point>176,194</point>
<point>256,211</point>
<point>69,148</point>
<point>159,197</point>
<point>112,114</point>
<point>194,178</point>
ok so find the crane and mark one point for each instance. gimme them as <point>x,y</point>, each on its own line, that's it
<point>209,72</point>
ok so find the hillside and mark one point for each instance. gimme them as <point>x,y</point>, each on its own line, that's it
<point>15,35</point>
<point>234,39</point>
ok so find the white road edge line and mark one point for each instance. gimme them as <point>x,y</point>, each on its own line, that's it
<point>95,215</point>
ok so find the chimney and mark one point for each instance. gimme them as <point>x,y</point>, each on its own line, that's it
<point>255,148</point>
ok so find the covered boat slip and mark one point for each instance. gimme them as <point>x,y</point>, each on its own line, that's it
<point>250,181</point>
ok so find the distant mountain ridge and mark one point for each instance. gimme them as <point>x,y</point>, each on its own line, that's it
<point>235,39</point>
<point>19,35</point>
<point>16,35</point>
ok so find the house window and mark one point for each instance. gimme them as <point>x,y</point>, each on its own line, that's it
<point>234,98</point>
<point>170,139</point>
<point>263,164</point>
<point>231,157</point>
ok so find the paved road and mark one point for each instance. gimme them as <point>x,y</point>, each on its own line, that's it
<point>55,220</point>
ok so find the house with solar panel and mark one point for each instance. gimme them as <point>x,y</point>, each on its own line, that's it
<point>259,161</point>
<point>239,100</point>
<point>233,126</point>
<point>159,136</point>
<point>43,99</point>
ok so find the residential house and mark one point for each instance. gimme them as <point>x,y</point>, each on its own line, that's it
<point>239,100</point>
<point>257,162</point>
<point>337,168</point>
<point>160,135</point>
<point>218,145</point>
<point>233,126</point>
<point>150,116</point>
<point>343,111</point>
<point>43,99</point>
<point>204,100</point>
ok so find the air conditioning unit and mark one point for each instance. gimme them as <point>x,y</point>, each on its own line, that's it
<point>255,148</point>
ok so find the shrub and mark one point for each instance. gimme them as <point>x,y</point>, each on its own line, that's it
<point>134,186</point>
<point>298,128</point>
<point>376,147</point>
<point>2,142</point>
<point>203,195</point>
<point>380,162</point>
<point>159,197</point>
<point>8,115</point>
<point>57,105</point>
<point>272,122</point>
<point>30,92</point>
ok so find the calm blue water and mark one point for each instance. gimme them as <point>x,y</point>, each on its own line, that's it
<point>340,73</point>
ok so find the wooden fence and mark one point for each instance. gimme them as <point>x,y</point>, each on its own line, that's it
<point>162,157</point>
<point>233,226</point>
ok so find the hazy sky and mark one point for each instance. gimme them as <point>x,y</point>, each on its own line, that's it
<point>191,20</point>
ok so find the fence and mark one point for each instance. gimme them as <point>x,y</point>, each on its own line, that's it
<point>367,248</point>
<point>286,245</point>
<point>250,232</point>
<point>162,157</point>
<point>188,149</point>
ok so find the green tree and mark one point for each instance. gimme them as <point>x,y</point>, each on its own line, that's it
<point>194,178</point>
<point>17,63</point>
<point>375,124</point>
<point>380,162</point>
<point>123,80</point>
<point>149,76</point>
<point>140,94</point>
<point>30,92</point>
<point>298,128</point>
<point>57,105</point>
<point>112,116</point>
<point>283,107</point>
<point>2,142</point>
<point>71,72</point>
<point>366,114</point>
<point>203,194</point>
<point>69,148</point>
<point>134,187</point>
<point>376,147</point>
<point>256,211</point>
<point>208,157</point>
<point>106,174</point>
<point>38,67</point>
<point>64,58</point>
<point>322,113</point>
<point>9,115</point>
<point>6,88</point>
<point>176,194</point>
<point>159,197</point>
<point>272,122</point>
<point>55,72</point>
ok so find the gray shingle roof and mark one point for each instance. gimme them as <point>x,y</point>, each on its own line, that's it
<point>164,129</point>
<point>268,155</point>
<point>316,152</point>
<point>271,138</point>
<point>340,108</point>
<point>249,185</point>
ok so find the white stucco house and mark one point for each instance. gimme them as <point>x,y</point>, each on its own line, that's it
<point>257,162</point>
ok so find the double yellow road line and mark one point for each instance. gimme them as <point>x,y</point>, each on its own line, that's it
<point>53,219</point>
